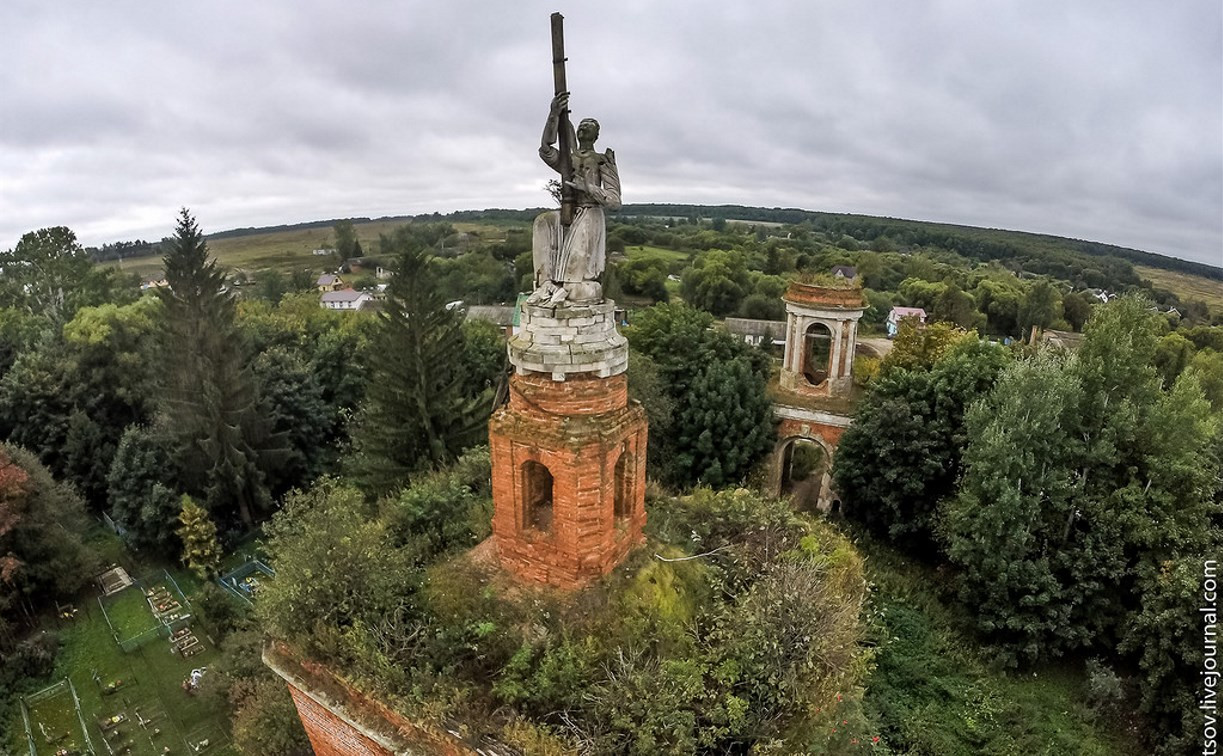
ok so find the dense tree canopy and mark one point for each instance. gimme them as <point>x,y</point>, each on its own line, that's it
<point>1109,480</point>
<point>901,456</point>
<point>722,420</point>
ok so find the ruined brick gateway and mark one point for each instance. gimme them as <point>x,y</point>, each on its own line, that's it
<point>813,398</point>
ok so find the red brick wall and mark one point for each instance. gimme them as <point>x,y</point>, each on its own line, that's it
<point>578,395</point>
<point>823,296</point>
<point>790,428</point>
<point>330,735</point>
<point>340,720</point>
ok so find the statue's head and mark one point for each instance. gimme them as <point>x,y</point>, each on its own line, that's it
<point>588,130</point>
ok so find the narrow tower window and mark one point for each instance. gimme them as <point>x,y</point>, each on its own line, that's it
<point>817,349</point>
<point>623,484</point>
<point>537,497</point>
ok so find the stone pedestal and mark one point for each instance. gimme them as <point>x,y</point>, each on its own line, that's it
<point>568,451</point>
<point>568,340</point>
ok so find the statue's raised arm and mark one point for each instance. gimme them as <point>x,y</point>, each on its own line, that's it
<point>569,258</point>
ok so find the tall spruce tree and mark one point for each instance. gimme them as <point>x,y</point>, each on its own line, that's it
<point>209,396</point>
<point>420,409</point>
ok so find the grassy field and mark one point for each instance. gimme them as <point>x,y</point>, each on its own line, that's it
<point>288,251</point>
<point>670,255</point>
<point>1185,285</point>
<point>933,692</point>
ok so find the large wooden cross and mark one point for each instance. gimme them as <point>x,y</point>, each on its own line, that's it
<point>564,128</point>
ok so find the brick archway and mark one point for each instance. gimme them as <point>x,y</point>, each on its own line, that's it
<point>819,428</point>
<point>810,491</point>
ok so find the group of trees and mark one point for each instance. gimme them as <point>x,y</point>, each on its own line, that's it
<point>187,414</point>
<point>710,417</point>
<point>1074,494</point>
<point>137,401</point>
<point>1001,286</point>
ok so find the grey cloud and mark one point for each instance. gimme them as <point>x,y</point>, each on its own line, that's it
<point>1095,120</point>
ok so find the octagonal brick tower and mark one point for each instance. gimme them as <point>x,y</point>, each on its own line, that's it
<point>568,450</point>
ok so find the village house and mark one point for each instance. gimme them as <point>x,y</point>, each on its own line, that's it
<point>847,272</point>
<point>345,299</point>
<point>894,317</point>
<point>1067,340</point>
<point>329,282</point>
<point>505,317</point>
<point>757,332</point>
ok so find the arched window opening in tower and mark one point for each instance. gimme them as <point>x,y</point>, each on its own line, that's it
<point>817,349</point>
<point>623,484</point>
<point>537,497</point>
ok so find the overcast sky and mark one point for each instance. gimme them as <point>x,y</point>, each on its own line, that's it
<point>1096,120</point>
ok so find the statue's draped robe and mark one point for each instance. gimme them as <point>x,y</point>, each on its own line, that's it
<point>584,252</point>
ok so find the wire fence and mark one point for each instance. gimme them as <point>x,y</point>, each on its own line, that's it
<point>166,611</point>
<point>47,693</point>
<point>244,580</point>
<point>29,733</point>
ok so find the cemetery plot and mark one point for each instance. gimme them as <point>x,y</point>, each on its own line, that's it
<point>133,699</point>
<point>207,738</point>
<point>246,580</point>
<point>137,728</point>
<point>145,609</point>
<point>53,721</point>
<point>168,606</point>
<point>128,614</point>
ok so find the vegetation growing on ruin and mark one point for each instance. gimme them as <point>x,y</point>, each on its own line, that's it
<point>737,625</point>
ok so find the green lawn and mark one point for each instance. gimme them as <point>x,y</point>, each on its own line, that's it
<point>934,692</point>
<point>129,613</point>
<point>55,724</point>
<point>670,255</point>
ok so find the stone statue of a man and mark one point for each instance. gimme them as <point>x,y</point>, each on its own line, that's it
<point>569,261</point>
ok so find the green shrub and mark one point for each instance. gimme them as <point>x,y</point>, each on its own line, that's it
<point>445,510</point>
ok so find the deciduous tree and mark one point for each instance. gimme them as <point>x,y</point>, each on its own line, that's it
<point>201,550</point>
<point>51,276</point>
<point>42,522</point>
<point>346,244</point>
<point>139,487</point>
<point>901,456</point>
